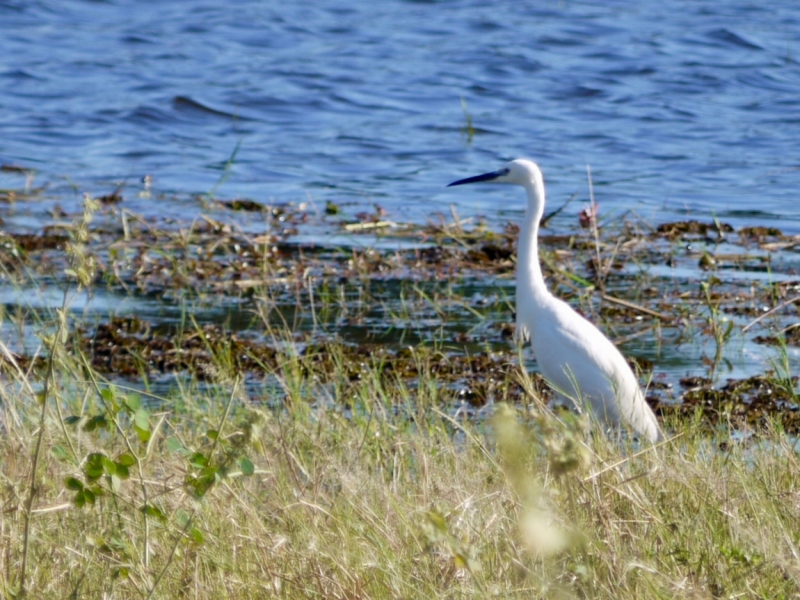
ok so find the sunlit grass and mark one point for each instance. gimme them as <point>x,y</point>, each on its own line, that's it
<point>364,488</point>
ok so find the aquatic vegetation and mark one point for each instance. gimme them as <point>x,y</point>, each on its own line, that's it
<point>299,420</point>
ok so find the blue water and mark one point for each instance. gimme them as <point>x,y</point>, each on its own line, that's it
<point>677,106</point>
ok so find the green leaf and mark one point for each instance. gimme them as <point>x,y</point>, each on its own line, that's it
<point>134,402</point>
<point>141,419</point>
<point>174,444</point>
<point>109,468</point>
<point>144,434</point>
<point>200,485</point>
<point>80,499</point>
<point>59,453</point>
<point>182,518</point>
<point>93,468</point>
<point>154,511</point>
<point>118,543</point>
<point>72,420</point>
<point>122,471</point>
<point>73,484</point>
<point>88,495</point>
<point>109,394</point>
<point>196,536</point>
<point>95,422</point>
<point>246,466</point>
<point>126,459</point>
<point>209,472</point>
<point>198,460</point>
<point>212,434</point>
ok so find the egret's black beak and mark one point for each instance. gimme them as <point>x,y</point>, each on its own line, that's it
<point>478,178</point>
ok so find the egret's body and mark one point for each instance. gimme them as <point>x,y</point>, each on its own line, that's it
<point>576,359</point>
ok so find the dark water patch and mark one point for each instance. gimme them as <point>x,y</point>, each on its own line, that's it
<point>770,81</point>
<point>631,70</point>
<point>569,41</point>
<point>20,74</point>
<point>149,114</point>
<point>186,105</point>
<point>136,39</point>
<point>732,39</point>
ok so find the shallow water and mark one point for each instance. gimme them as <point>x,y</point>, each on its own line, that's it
<point>678,107</point>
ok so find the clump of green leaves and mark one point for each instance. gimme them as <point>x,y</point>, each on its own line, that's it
<point>101,472</point>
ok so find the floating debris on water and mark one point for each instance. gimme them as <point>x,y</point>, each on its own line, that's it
<point>446,294</point>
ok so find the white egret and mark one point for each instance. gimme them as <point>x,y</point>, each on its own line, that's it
<point>576,359</point>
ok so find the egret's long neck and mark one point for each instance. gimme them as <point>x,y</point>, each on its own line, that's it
<point>529,271</point>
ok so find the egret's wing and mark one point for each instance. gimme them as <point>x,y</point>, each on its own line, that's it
<point>582,363</point>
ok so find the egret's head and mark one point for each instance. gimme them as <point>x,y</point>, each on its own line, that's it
<point>520,171</point>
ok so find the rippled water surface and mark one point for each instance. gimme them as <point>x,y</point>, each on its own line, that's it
<point>677,106</point>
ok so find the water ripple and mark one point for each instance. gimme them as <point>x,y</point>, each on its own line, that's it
<point>674,105</point>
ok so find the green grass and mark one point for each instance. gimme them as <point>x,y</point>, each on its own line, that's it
<point>365,489</point>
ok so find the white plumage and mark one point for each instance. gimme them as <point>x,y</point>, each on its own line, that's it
<point>575,358</point>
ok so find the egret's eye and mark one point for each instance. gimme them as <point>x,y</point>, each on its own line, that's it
<point>505,171</point>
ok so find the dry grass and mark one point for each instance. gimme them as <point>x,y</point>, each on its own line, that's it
<point>380,495</point>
